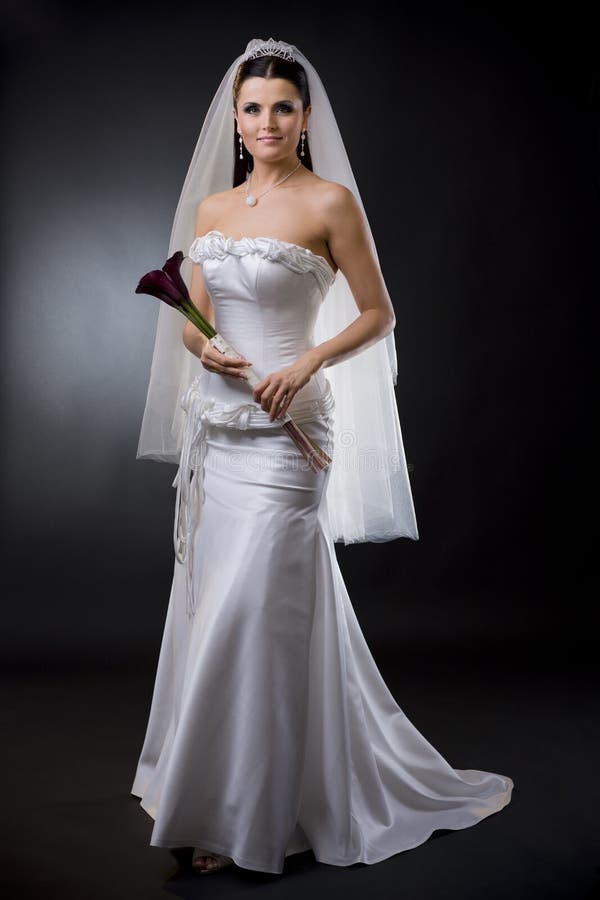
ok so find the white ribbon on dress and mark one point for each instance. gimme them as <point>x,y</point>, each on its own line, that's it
<point>200,411</point>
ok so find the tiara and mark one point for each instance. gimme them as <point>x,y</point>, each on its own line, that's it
<point>259,47</point>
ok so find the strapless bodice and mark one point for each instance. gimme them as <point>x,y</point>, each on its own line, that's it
<point>266,296</point>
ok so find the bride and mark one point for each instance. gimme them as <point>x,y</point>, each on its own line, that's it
<point>271,730</point>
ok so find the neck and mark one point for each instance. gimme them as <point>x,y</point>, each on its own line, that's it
<point>264,174</point>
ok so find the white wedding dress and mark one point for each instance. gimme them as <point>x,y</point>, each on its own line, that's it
<point>271,729</point>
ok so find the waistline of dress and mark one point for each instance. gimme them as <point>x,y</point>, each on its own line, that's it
<point>201,410</point>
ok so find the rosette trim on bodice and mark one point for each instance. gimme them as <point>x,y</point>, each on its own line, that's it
<point>215,245</point>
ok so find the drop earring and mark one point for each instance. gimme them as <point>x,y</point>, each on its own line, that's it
<point>302,146</point>
<point>241,154</point>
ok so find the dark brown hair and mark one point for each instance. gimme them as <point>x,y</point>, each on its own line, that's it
<point>268,67</point>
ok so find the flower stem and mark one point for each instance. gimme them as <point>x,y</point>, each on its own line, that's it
<point>314,455</point>
<point>196,317</point>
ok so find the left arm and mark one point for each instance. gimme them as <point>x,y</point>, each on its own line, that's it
<point>350,248</point>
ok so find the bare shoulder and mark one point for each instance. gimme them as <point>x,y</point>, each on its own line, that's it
<point>209,210</point>
<point>330,193</point>
<point>338,208</point>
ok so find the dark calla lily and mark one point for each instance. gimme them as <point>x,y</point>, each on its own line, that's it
<point>166,284</point>
<point>157,284</point>
<point>173,269</point>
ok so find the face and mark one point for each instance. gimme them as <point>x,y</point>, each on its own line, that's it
<point>270,108</point>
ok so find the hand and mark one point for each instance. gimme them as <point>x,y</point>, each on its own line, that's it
<point>215,361</point>
<point>277,390</point>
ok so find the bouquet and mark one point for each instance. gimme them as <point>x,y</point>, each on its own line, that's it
<point>167,284</point>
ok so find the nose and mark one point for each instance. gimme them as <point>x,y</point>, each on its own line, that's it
<point>268,120</point>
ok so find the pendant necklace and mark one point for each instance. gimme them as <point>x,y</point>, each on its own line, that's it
<point>251,200</point>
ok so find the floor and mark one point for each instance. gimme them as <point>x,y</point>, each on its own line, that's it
<point>72,830</point>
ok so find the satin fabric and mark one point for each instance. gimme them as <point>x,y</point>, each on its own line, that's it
<point>271,730</point>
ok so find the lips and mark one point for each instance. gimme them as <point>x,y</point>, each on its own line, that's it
<point>269,138</point>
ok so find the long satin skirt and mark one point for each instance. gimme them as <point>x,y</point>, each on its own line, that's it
<point>271,730</point>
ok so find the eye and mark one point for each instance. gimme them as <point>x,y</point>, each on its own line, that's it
<point>281,107</point>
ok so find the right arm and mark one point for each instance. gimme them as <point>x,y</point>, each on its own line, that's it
<point>192,337</point>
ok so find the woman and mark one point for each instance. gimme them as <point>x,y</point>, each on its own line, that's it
<point>271,730</point>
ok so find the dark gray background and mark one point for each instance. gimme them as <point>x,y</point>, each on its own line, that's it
<point>473,134</point>
<point>473,144</point>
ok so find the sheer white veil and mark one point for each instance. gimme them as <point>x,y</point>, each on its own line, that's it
<point>368,494</point>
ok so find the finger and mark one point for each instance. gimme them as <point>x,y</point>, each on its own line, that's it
<point>272,394</point>
<point>259,388</point>
<point>223,359</point>
<point>234,373</point>
<point>223,364</point>
<point>238,363</point>
<point>266,400</point>
<point>279,398</point>
<point>284,407</point>
<point>225,370</point>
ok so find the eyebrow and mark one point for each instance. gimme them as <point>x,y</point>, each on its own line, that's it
<point>256,103</point>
